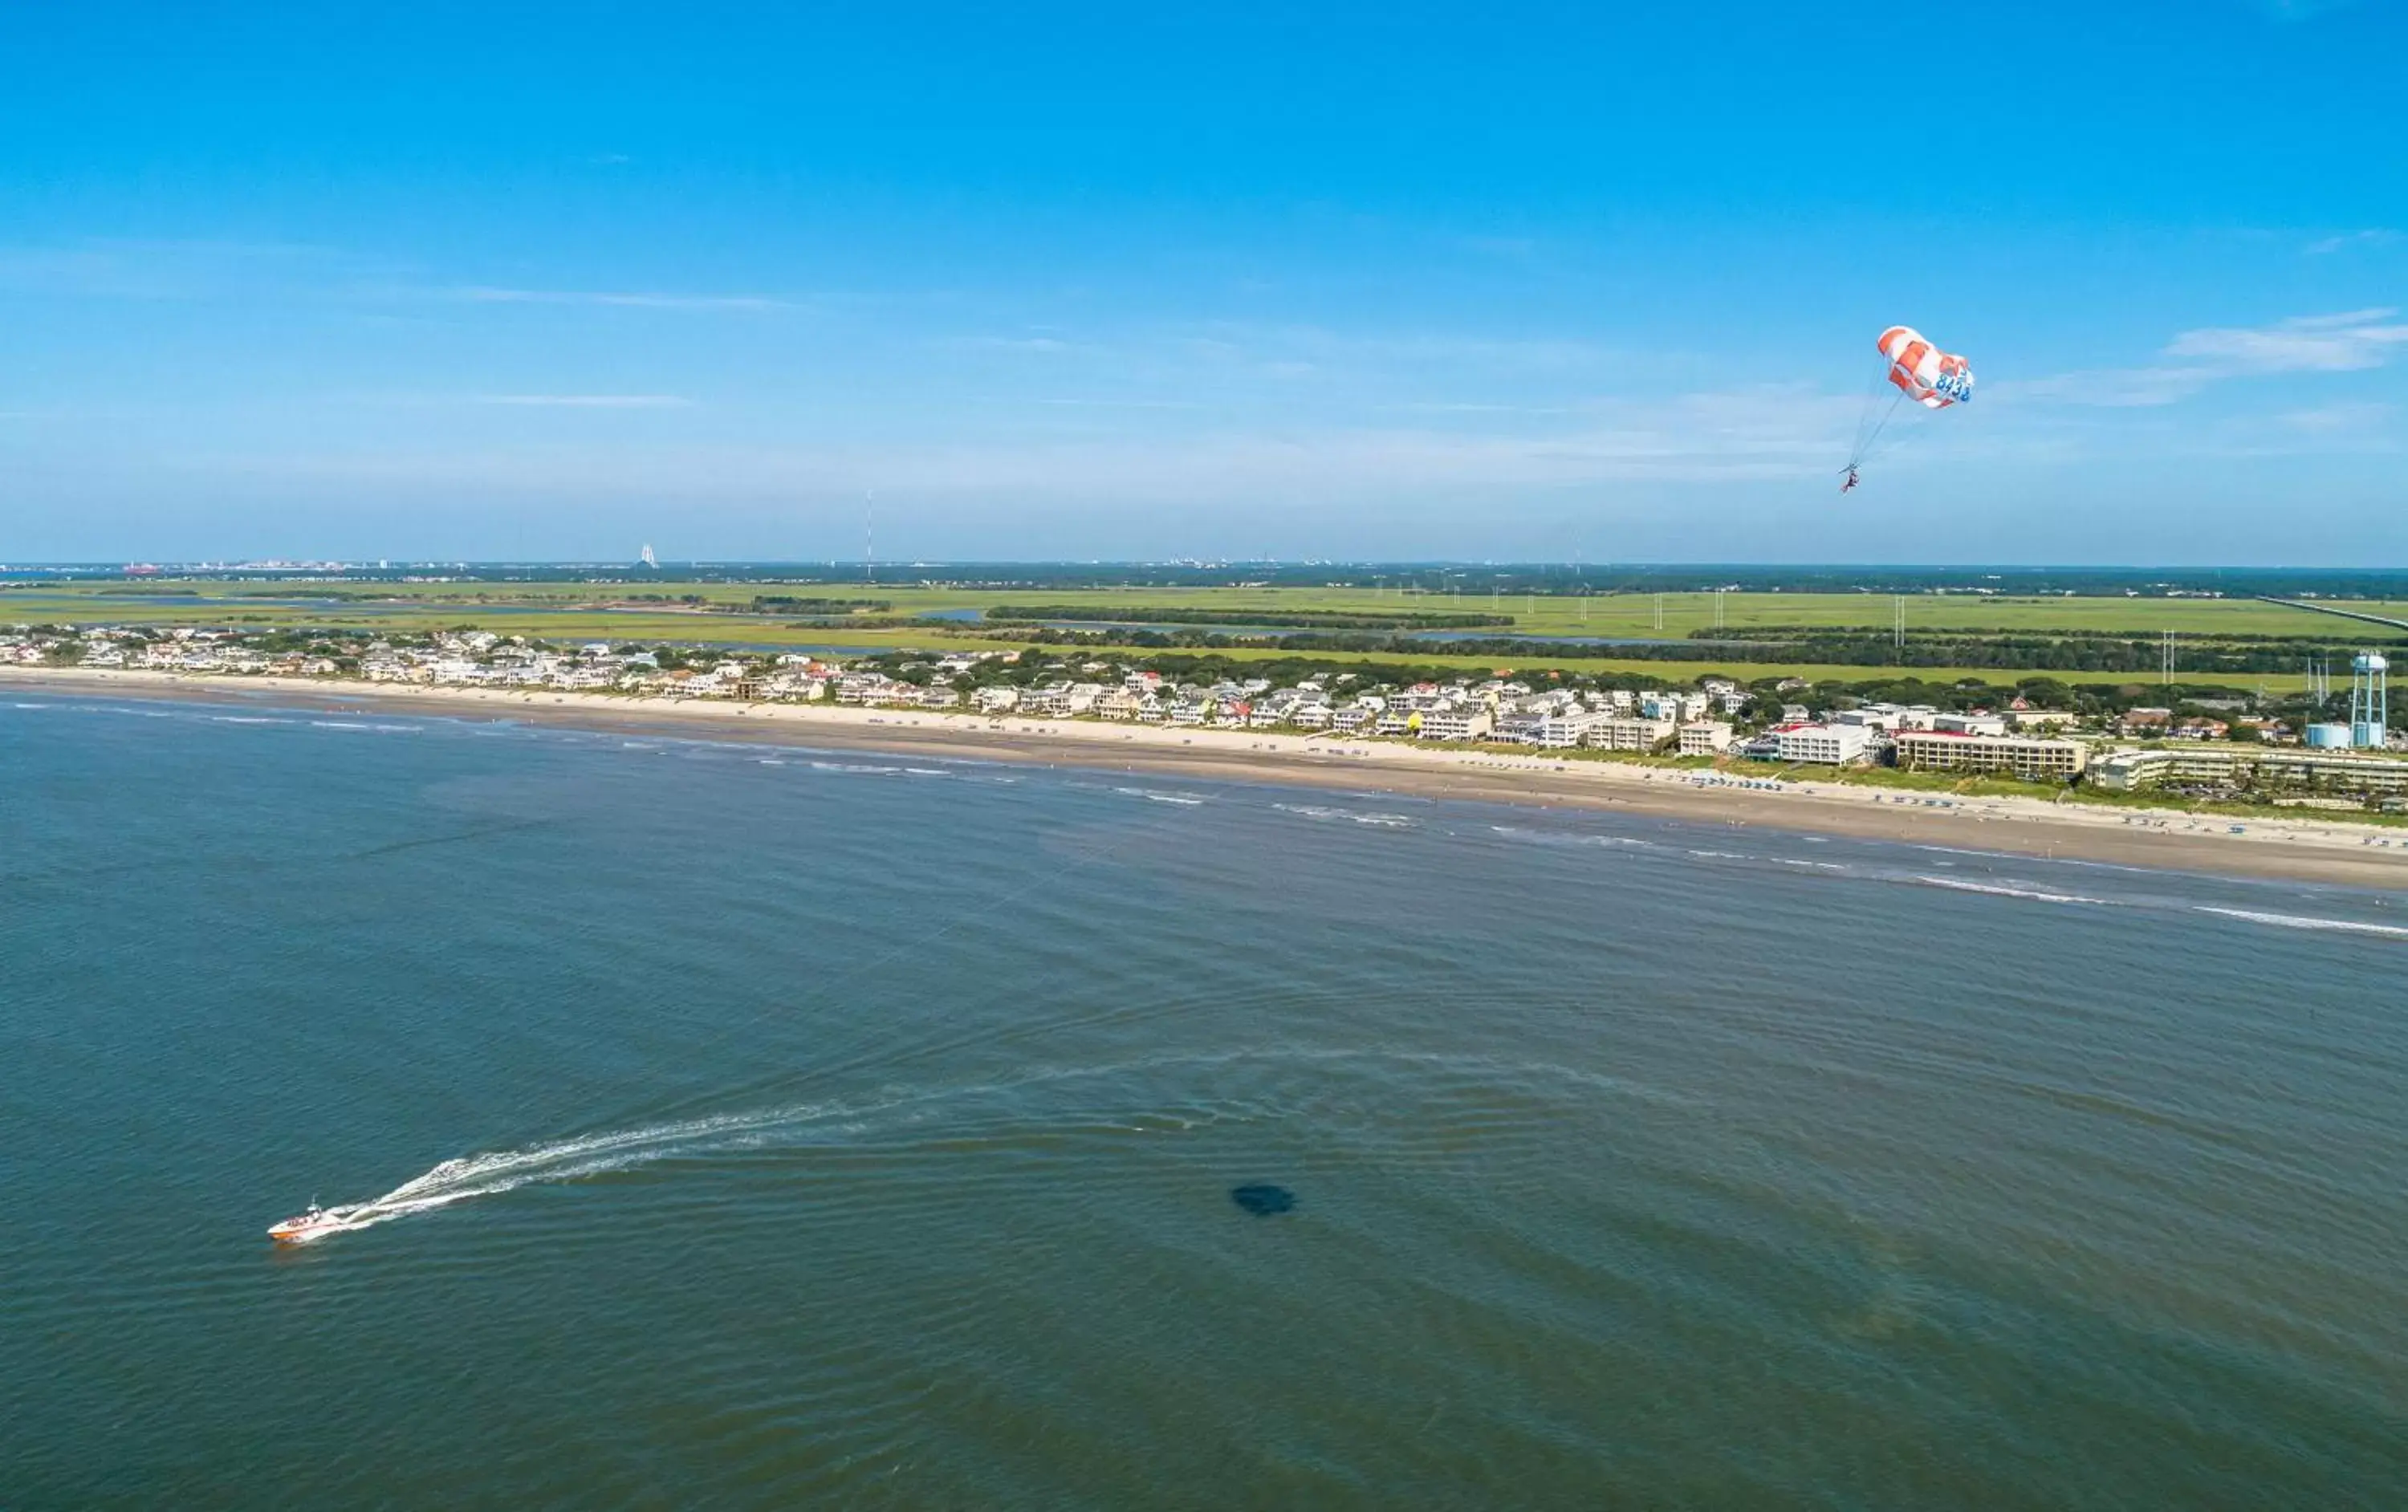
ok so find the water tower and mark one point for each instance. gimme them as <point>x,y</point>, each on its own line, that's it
<point>2369,676</point>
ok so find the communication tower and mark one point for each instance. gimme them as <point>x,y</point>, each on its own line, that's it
<point>2370,678</point>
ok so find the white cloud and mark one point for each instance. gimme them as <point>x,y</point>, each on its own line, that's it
<point>2350,341</point>
<point>2300,11</point>
<point>1766,433</point>
<point>2373,237</point>
<point>2340,419</point>
<point>2304,344</point>
<point>639,299</point>
<point>1045,344</point>
<point>589,400</point>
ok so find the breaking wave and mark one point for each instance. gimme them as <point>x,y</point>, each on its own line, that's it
<point>1323,813</point>
<point>2346,926</point>
<point>1555,837</point>
<point>2008,889</point>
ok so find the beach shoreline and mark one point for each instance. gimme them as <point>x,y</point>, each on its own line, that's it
<point>2319,849</point>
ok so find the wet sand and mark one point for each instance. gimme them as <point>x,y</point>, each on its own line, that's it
<point>2317,849</point>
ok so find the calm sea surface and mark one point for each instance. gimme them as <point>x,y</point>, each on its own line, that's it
<point>781,1129</point>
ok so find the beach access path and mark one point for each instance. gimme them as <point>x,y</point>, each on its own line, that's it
<point>2311,849</point>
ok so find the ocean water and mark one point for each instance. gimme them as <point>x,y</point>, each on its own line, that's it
<point>761,1127</point>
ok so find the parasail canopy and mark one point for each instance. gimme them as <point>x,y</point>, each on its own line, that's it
<point>1929,377</point>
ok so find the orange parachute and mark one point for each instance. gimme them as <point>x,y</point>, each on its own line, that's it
<point>1919,371</point>
<point>1929,377</point>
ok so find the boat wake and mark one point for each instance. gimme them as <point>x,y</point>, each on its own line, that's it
<point>484,1175</point>
<point>1112,1099</point>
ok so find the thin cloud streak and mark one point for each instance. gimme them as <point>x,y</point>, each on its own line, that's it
<point>2373,237</point>
<point>482,295</point>
<point>589,400</point>
<point>2350,341</point>
<point>1752,434</point>
<point>2304,344</point>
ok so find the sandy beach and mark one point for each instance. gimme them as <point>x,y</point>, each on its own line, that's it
<point>2319,849</point>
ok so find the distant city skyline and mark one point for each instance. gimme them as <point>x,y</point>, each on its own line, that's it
<point>1358,284</point>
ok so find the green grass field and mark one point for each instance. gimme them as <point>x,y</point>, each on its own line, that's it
<point>575,611</point>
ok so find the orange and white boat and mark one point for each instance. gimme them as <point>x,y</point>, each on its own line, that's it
<point>314,1225</point>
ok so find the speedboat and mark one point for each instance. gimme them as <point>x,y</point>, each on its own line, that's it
<point>315,1224</point>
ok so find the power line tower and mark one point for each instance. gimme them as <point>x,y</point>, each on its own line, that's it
<point>2166,660</point>
<point>1719,608</point>
<point>869,535</point>
<point>1659,611</point>
<point>1898,621</point>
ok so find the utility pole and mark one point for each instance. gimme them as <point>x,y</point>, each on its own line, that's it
<point>1659,611</point>
<point>2166,660</point>
<point>869,536</point>
<point>1898,621</point>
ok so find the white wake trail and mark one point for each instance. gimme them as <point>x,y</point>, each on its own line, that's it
<point>565,1159</point>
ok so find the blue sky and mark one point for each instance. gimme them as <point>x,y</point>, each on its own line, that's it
<point>1393,280</point>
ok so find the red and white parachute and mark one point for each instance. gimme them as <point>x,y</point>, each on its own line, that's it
<point>1919,371</point>
<point>1931,377</point>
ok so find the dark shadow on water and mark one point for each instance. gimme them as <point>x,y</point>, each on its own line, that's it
<point>1263,1200</point>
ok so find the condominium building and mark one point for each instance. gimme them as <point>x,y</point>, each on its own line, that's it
<point>1460,721</point>
<point>1824,745</point>
<point>1706,737</point>
<point>2230,766</point>
<point>1629,735</point>
<point>2030,757</point>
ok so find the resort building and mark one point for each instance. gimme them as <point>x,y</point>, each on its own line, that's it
<point>1706,737</point>
<point>1460,721</point>
<point>1629,735</point>
<point>1824,745</point>
<point>2030,757</point>
<point>2232,766</point>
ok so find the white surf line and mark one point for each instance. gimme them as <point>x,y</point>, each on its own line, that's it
<point>2003,889</point>
<point>2346,926</point>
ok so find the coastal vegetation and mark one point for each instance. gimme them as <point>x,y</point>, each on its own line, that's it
<point>1826,625</point>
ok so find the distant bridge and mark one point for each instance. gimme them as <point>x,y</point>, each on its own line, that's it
<point>2326,608</point>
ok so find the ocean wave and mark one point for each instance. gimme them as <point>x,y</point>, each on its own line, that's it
<point>869,767</point>
<point>1325,814</point>
<point>2342,926</point>
<point>2009,889</point>
<point>1558,838</point>
<point>1185,800</point>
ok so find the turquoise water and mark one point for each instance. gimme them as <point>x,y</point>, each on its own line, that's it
<point>777,1128</point>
